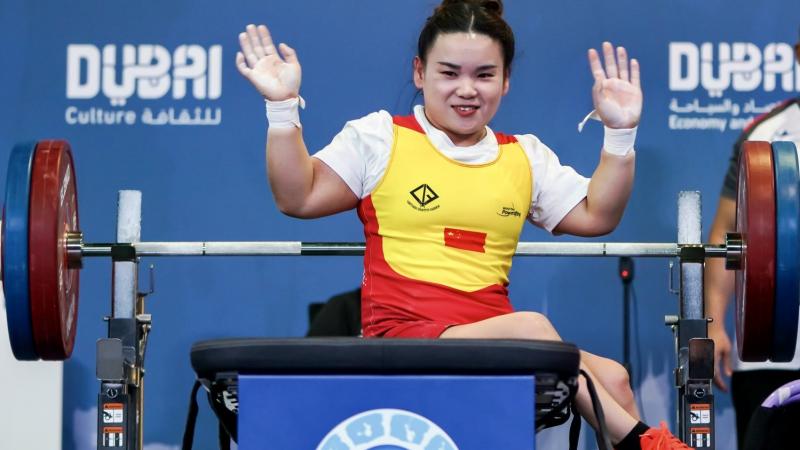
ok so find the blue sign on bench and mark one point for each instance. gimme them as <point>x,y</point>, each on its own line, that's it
<point>386,412</point>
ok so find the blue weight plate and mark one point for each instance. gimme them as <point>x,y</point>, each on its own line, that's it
<point>787,235</point>
<point>15,251</point>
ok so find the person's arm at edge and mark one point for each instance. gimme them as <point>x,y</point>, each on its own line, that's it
<point>719,284</point>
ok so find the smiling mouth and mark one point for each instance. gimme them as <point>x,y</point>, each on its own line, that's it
<point>466,108</point>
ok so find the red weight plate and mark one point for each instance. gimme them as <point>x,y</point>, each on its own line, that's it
<point>755,282</point>
<point>53,285</point>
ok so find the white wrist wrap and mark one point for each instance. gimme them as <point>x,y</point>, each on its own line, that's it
<point>285,113</point>
<point>619,141</point>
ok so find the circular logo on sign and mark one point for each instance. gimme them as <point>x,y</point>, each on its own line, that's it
<point>387,429</point>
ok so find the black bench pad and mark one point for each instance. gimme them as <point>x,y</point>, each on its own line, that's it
<point>382,356</point>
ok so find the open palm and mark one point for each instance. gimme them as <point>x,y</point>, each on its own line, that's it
<point>276,76</point>
<point>617,91</point>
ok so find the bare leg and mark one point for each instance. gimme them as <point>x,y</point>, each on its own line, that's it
<point>531,325</point>
<point>614,378</point>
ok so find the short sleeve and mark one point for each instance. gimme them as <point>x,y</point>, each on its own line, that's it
<point>360,152</point>
<point>557,188</point>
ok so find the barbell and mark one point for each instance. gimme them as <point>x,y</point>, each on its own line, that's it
<point>43,248</point>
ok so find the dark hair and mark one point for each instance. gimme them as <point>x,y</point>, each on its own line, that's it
<point>468,16</point>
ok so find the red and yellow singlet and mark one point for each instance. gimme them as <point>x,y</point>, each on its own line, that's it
<point>440,236</point>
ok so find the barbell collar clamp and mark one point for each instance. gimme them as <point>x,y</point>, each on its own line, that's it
<point>74,245</point>
<point>735,248</point>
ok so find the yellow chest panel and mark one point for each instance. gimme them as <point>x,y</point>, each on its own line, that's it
<point>450,223</point>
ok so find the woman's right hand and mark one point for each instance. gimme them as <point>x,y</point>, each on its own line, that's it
<point>275,76</point>
<point>722,354</point>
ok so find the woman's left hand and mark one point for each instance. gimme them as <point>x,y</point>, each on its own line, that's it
<point>617,92</point>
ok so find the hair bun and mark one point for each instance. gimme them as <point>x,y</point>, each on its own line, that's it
<point>490,6</point>
<point>495,6</point>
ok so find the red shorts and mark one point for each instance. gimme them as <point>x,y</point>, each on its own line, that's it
<point>421,329</point>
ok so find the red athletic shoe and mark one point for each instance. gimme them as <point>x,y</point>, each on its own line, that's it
<point>661,439</point>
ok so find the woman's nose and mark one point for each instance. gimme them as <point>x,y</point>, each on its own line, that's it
<point>466,88</point>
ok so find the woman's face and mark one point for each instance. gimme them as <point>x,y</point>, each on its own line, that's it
<point>462,83</point>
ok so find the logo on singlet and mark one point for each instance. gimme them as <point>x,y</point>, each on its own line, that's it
<point>509,211</point>
<point>423,195</point>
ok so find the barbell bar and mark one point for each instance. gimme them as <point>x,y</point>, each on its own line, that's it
<point>43,249</point>
<point>298,248</point>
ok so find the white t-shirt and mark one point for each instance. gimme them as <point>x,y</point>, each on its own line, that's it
<point>360,153</point>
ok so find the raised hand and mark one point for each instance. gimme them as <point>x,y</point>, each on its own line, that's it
<point>275,76</point>
<point>617,92</point>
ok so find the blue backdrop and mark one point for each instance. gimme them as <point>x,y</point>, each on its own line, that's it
<point>188,132</point>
